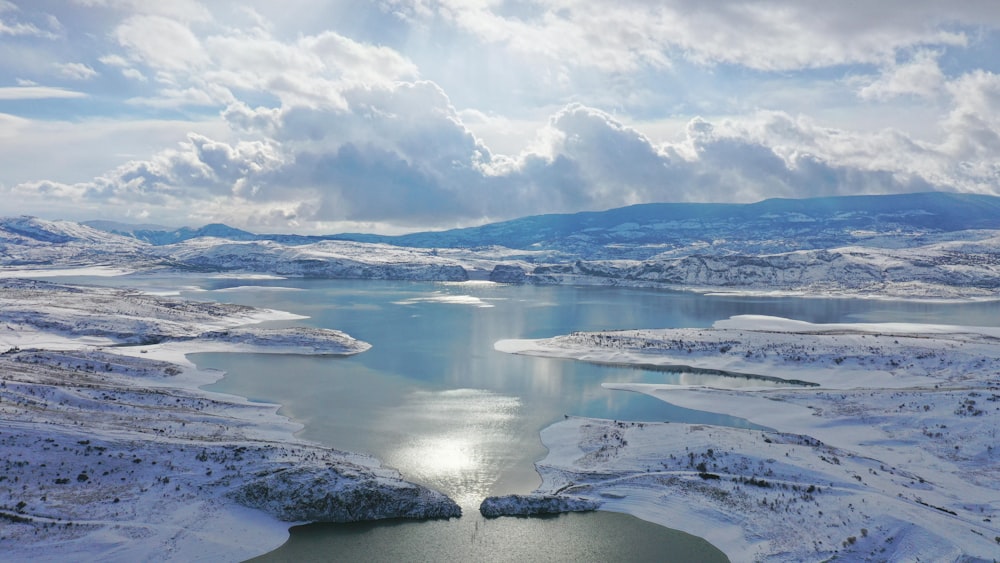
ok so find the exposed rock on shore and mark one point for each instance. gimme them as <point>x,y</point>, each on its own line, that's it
<point>531,505</point>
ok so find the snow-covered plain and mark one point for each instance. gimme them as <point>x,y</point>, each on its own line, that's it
<point>111,451</point>
<point>893,455</point>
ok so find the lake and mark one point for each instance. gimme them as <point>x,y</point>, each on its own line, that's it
<point>434,400</point>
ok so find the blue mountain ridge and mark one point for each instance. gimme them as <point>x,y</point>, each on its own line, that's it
<point>644,230</point>
<point>163,236</point>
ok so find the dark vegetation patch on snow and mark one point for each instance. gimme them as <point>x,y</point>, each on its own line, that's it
<point>536,504</point>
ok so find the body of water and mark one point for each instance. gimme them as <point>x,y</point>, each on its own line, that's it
<point>433,399</point>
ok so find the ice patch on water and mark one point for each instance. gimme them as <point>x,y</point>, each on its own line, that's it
<point>444,298</point>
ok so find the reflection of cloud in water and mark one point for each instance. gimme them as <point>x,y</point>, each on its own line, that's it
<point>441,298</point>
<point>454,441</point>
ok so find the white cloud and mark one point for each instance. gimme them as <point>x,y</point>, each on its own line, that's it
<point>19,29</point>
<point>12,23</point>
<point>324,126</point>
<point>973,128</point>
<point>716,162</point>
<point>400,154</point>
<point>921,76</point>
<point>177,97</point>
<point>204,69</point>
<point>114,60</point>
<point>126,68</point>
<point>161,43</point>
<point>310,71</point>
<point>503,134</point>
<point>765,35</point>
<point>181,10</point>
<point>76,71</point>
<point>78,150</point>
<point>611,38</point>
<point>134,74</point>
<point>37,93</point>
<point>356,62</point>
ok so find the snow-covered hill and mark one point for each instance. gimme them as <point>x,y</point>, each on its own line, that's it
<point>328,259</point>
<point>966,267</point>
<point>767,227</point>
<point>113,452</point>
<point>30,245</point>
<point>889,455</point>
<point>158,235</point>
<point>912,245</point>
<point>643,231</point>
<point>33,242</point>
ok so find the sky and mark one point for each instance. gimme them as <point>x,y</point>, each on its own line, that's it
<point>393,116</point>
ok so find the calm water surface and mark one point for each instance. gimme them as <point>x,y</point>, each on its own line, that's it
<point>434,400</point>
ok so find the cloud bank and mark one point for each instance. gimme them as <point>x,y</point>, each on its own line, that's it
<point>323,131</point>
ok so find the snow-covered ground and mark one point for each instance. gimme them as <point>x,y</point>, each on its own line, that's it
<point>953,265</point>
<point>111,451</point>
<point>890,455</point>
<point>94,271</point>
<point>965,266</point>
<point>893,455</point>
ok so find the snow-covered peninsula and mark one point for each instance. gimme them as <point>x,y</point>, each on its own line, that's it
<point>888,453</point>
<point>113,453</point>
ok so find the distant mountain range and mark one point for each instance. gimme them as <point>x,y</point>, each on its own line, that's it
<point>159,236</point>
<point>912,245</point>
<point>643,231</point>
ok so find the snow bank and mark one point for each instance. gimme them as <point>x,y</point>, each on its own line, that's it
<point>116,454</point>
<point>891,457</point>
<point>96,271</point>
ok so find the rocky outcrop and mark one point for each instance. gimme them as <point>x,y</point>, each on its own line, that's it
<point>289,339</point>
<point>530,505</point>
<point>341,494</point>
<point>507,273</point>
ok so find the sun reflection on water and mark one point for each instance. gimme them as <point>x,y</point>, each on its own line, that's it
<point>456,449</point>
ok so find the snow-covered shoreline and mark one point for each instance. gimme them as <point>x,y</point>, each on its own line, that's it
<point>891,457</point>
<point>97,271</point>
<point>895,265</point>
<point>113,452</point>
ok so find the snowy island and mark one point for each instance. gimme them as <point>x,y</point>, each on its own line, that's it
<point>882,445</point>
<point>113,453</point>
